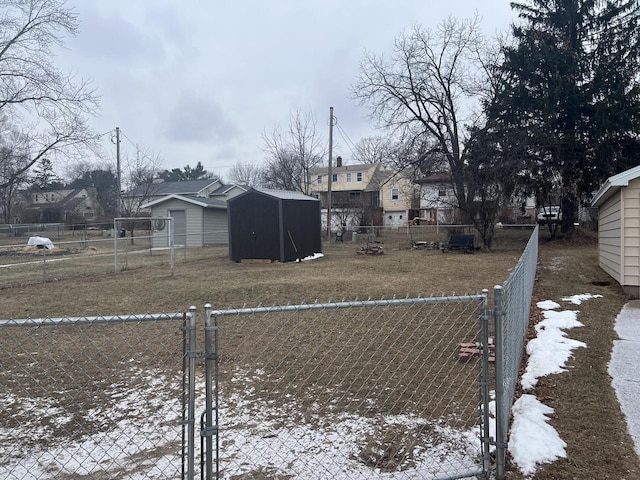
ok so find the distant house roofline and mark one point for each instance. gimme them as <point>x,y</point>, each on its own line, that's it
<point>436,178</point>
<point>195,200</point>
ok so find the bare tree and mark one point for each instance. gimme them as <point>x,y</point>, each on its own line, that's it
<point>375,149</point>
<point>138,183</point>
<point>246,174</point>
<point>429,93</point>
<point>13,175</point>
<point>291,156</point>
<point>47,106</point>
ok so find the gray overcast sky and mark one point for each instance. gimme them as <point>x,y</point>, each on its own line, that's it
<point>201,80</point>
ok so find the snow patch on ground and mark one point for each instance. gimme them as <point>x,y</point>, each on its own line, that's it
<point>578,299</point>
<point>533,441</point>
<point>143,438</point>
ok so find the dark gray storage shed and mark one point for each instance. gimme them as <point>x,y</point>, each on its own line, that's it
<point>273,225</point>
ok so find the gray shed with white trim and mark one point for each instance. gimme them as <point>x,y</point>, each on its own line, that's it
<point>197,221</point>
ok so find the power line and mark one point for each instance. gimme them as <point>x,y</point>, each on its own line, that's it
<point>346,138</point>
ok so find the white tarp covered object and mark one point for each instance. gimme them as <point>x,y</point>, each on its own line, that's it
<point>42,242</point>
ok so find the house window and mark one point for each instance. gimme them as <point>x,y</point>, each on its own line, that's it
<point>359,177</point>
<point>334,177</point>
<point>348,177</point>
<point>442,192</point>
<point>354,196</point>
<point>36,197</point>
<point>375,199</point>
<point>319,180</point>
<point>395,194</point>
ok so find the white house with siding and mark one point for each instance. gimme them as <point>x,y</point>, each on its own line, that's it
<point>618,203</point>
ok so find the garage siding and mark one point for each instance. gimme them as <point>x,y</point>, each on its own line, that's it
<point>193,220</point>
<point>631,233</point>
<point>609,237</point>
<point>215,227</point>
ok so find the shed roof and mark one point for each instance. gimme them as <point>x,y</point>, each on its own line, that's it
<point>613,184</point>
<point>285,194</point>
<point>200,201</point>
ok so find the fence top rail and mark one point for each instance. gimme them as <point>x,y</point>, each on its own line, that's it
<point>47,321</point>
<point>352,304</point>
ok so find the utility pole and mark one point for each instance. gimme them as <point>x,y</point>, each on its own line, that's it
<point>118,173</point>
<point>330,176</point>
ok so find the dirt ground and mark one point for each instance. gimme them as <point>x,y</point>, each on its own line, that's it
<point>587,414</point>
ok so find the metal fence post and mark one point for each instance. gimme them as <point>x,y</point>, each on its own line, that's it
<point>191,422</point>
<point>502,417</point>
<point>209,429</point>
<point>484,382</point>
<point>44,265</point>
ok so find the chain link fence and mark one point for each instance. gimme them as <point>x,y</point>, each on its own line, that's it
<point>364,389</point>
<point>352,390</point>
<point>90,253</point>
<point>96,398</point>
<point>512,306</point>
<point>392,388</point>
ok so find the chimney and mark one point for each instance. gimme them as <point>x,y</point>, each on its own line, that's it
<point>338,161</point>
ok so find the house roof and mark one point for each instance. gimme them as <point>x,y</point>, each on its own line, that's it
<point>285,194</point>
<point>188,187</point>
<point>224,189</point>
<point>345,168</point>
<point>613,185</point>
<point>200,201</point>
<point>436,178</point>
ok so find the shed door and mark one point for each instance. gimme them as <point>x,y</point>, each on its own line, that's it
<point>179,226</point>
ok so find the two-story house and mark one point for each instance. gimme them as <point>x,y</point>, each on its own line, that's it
<point>363,194</point>
<point>438,204</point>
<point>63,205</point>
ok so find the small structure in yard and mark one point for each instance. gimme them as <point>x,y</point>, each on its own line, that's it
<point>197,221</point>
<point>273,225</point>
<point>40,242</point>
<point>465,243</point>
<point>372,247</point>
<point>618,203</point>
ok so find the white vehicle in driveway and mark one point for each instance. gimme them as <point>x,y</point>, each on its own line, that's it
<point>551,214</point>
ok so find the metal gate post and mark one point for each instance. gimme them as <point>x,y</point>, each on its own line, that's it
<point>191,409</point>
<point>502,417</point>
<point>484,383</point>
<point>209,428</point>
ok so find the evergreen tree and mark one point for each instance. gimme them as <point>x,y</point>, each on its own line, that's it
<point>571,90</point>
<point>188,173</point>
<point>106,185</point>
<point>44,177</point>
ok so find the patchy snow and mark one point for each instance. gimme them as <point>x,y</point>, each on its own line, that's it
<point>532,440</point>
<point>315,256</point>
<point>547,305</point>
<point>550,350</point>
<point>142,438</point>
<point>578,299</point>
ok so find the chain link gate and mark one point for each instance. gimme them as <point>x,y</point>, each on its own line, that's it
<point>363,389</point>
